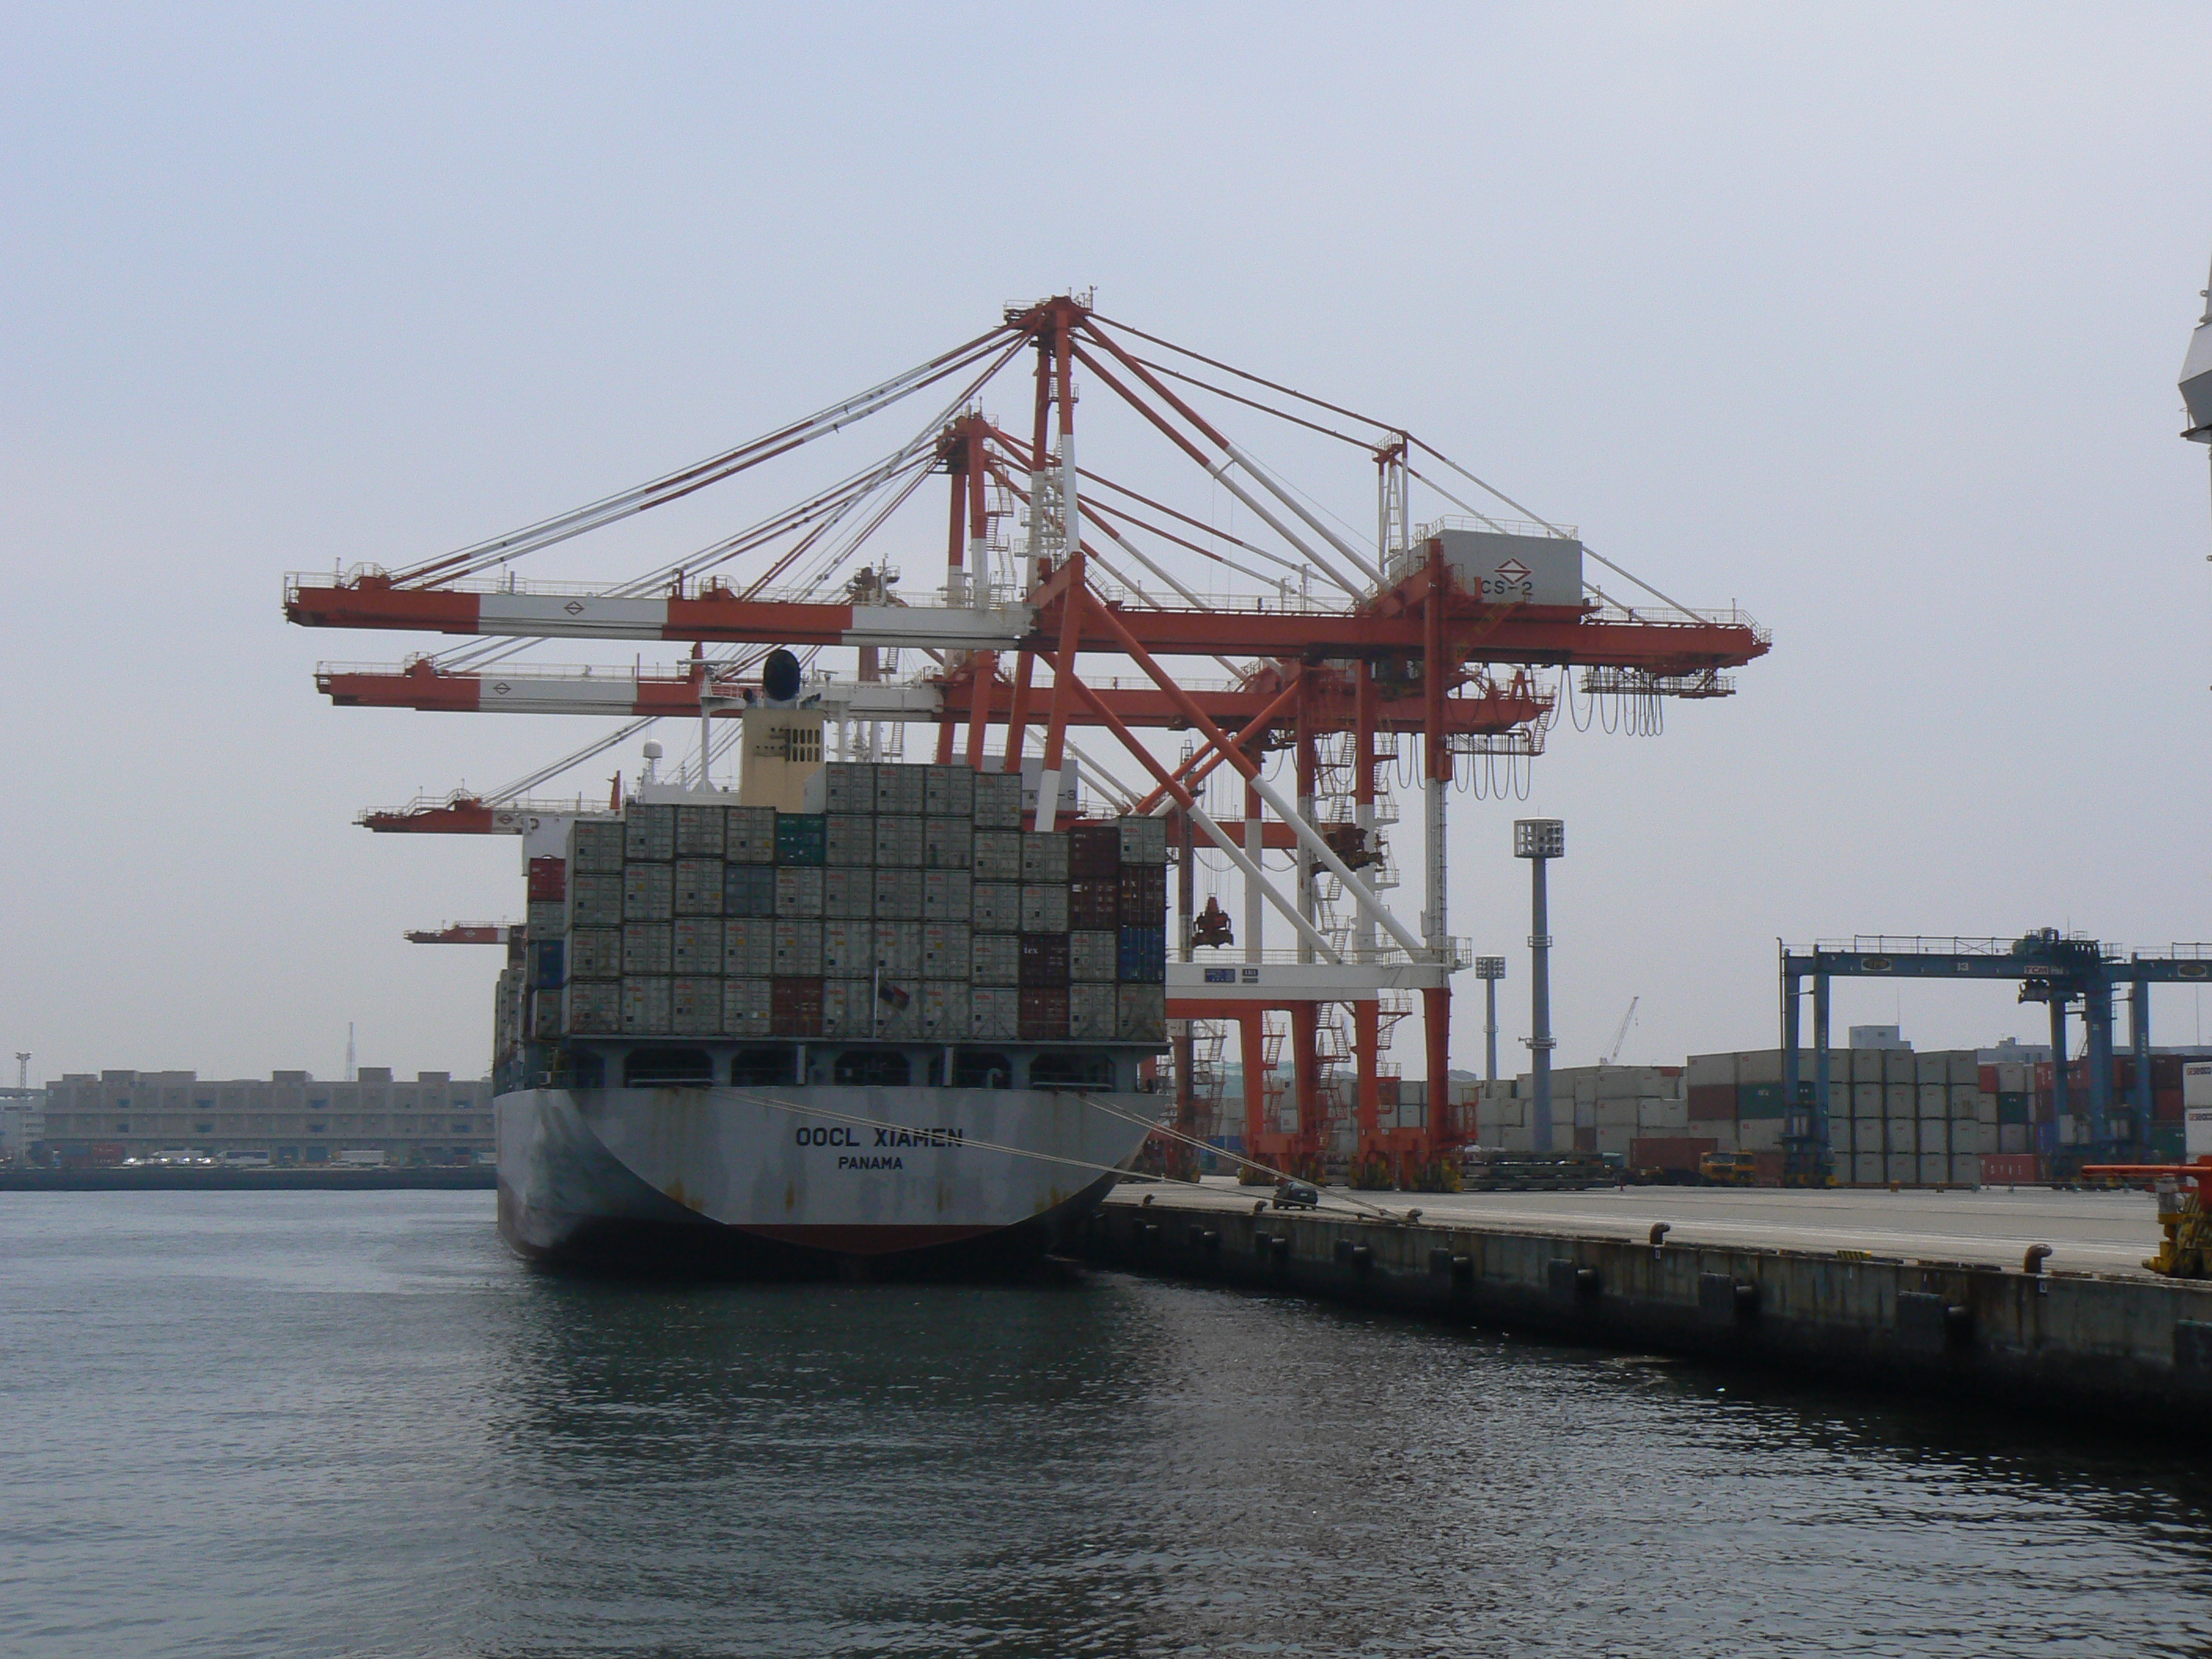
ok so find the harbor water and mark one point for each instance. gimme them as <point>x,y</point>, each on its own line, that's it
<point>352,1423</point>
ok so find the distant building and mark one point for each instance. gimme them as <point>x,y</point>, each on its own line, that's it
<point>2011,1051</point>
<point>23,1123</point>
<point>289,1115</point>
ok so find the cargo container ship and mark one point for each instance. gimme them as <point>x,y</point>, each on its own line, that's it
<point>893,1030</point>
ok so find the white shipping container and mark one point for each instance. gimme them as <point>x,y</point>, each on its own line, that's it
<point>798,949</point>
<point>946,951</point>
<point>849,841</point>
<point>996,959</point>
<point>746,1007</point>
<point>645,1009</point>
<point>947,843</point>
<point>898,895</point>
<point>898,843</point>
<point>848,948</point>
<point>2012,1137</point>
<point>595,847</point>
<point>1093,1012</point>
<point>1758,1134</point>
<point>1615,1140</point>
<point>1663,1114</point>
<point>749,835</point>
<point>997,855</point>
<point>698,887</point>
<point>799,891</point>
<point>594,1007</point>
<point>1935,1168</point>
<point>1092,954</point>
<point>1615,1113</point>
<point>1144,840</point>
<point>898,950</point>
<point>1901,1135</point>
<point>949,792</point>
<point>1866,1168</point>
<point>997,907</point>
<point>997,800</point>
<point>595,953</point>
<point>649,833</point>
<point>1143,1014</point>
<point>1707,1071</point>
<point>699,832</point>
<point>1840,1135</point>
<point>648,892</point>
<point>2196,1131</point>
<point>2197,1083</point>
<point>1865,1100</point>
<point>901,789</point>
<point>995,1012</point>
<point>1044,906</point>
<point>1044,857</point>
<point>547,918</point>
<point>749,946</point>
<point>1902,1167</point>
<point>847,1008</point>
<point>1935,1100</point>
<point>695,1006</point>
<point>947,896</point>
<point>595,901</point>
<point>648,948</point>
<point>898,1010</point>
<point>696,946</point>
<point>1759,1066</point>
<point>945,1010</point>
<point>849,893</point>
<point>1965,1170</point>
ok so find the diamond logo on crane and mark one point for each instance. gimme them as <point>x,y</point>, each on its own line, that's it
<point>575,607</point>
<point>1513,571</point>
<point>501,688</point>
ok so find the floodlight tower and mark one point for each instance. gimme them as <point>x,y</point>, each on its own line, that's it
<point>1540,841</point>
<point>1490,970</point>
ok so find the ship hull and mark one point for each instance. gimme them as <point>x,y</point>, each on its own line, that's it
<point>806,1181</point>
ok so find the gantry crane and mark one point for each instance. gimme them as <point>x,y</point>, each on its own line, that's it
<point>1337,642</point>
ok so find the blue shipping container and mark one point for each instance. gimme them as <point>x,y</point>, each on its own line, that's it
<point>552,964</point>
<point>748,890</point>
<point>1142,958</point>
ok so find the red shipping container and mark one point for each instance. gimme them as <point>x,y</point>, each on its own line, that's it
<point>2010,1168</point>
<point>1094,850</point>
<point>2166,1071</point>
<point>1712,1101</point>
<point>1670,1152</point>
<point>1094,904</point>
<point>1144,895</point>
<point>1043,961</point>
<point>2165,1103</point>
<point>548,878</point>
<point>1586,1141</point>
<point>1767,1167</point>
<point>795,1007</point>
<point>1986,1077</point>
<point>1044,1014</point>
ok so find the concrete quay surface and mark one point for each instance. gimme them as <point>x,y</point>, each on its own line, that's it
<point>2088,1233</point>
<point>1917,1288</point>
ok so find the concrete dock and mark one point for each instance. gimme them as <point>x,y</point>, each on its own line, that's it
<point>1917,1288</point>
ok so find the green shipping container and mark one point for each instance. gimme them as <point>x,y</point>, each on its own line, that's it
<point>1759,1100</point>
<point>2011,1107</point>
<point>801,838</point>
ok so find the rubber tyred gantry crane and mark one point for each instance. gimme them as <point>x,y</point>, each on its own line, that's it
<point>1456,638</point>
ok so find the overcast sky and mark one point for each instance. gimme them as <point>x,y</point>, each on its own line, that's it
<point>1865,317</point>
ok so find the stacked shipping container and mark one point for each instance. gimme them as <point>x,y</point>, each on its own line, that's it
<point>913,907</point>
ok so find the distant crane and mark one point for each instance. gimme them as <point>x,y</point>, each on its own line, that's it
<point>1620,1033</point>
<point>23,1068</point>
